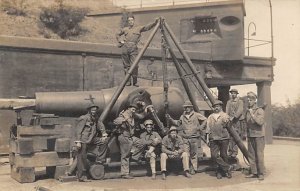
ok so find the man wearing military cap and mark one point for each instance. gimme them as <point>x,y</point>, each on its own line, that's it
<point>255,122</point>
<point>218,139</point>
<point>151,140</point>
<point>191,125</point>
<point>173,148</point>
<point>235,108</point>
<point>88,135</point>
<point>130,145</point>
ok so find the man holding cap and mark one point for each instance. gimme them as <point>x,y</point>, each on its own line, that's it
<point>256,137</point>
<point>88,134</point>
<point>173,148</point>
<point>218,139</point>
<point>152,140</point>
<point>234,108</point>
<point>191,124</point>
<point>130,145</point>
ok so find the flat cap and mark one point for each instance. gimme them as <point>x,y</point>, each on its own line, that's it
<point>187,104</point>
<point>148,122</point>
<point>217,102</point>
<point>173,128</point>
<point>251,95</point>
<point>234,90</point>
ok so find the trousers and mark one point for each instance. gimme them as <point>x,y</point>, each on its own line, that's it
<point>152,159</point>
<point>256,146</point>
<point>128,56</point>
<point>218,150</point>
<point>193,144</point>
<point>97,147</point>
<point>232,147</point>
<point>184,157</point>
<point>129,147</point>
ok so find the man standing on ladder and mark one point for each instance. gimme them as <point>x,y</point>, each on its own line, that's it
<point>132,35</point>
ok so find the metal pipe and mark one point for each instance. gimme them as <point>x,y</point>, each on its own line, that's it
<point>251,23</point>
<point>229,128</point>
<point>191,65</point>
<point>180,72</point>
<point>272,39</point>
<point>153,113</point>
<point>129,73</point>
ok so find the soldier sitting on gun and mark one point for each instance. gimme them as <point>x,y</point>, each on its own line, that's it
<point>89,134</point>
<point>130,145</point>
<point>191,124</point>
<point>173,148</point>
<point>152,140</point>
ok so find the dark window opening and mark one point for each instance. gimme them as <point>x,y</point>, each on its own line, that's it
<point>205,25</point>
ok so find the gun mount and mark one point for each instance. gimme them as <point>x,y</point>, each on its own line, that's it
<point>28,140</point>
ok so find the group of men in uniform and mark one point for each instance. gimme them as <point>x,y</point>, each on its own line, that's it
<point>182,141</point>
<point>183,138</point>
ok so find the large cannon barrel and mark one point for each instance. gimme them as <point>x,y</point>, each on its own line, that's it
<point>74,104</point>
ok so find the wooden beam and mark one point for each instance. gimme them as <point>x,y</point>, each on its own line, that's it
<point>42,159</point>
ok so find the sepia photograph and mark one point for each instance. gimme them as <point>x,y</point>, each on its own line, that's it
<point>113,95</point>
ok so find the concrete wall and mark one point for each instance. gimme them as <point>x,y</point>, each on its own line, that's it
<point>227,43</point>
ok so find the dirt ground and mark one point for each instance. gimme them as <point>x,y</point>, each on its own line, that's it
<point>281,158</point>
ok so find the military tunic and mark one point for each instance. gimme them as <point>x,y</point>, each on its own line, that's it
<point>169,146</point>
<point>256,140</point>
<point>130,146</point>
<point>87,133</point>
<point>132,37</point>
<point>191,126</point>
<point>149,139</point>
<point>219,139</point>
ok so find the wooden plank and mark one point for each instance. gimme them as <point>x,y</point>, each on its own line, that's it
<point>25,146</point>
<point>60,171</point>
<point>11,158</point>
<point>13,146</point>
<point>62,145</point>
<point>23,175</point>
<point>42,159</point>
<point>57,130</point>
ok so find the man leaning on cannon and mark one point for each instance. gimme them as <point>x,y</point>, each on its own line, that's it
<point>130,145</point>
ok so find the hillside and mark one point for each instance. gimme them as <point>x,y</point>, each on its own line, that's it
<point>29,25</point>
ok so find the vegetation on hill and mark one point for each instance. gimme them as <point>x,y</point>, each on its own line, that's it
<point>55,19</point>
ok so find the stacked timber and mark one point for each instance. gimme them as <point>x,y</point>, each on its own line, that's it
<point>41,144</point>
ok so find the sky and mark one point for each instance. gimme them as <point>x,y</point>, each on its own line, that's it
<point>286,32</point>
<point>286,27</point>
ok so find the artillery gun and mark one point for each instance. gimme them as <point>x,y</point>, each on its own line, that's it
<point>54,140</point>
<point>45,138</point>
